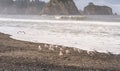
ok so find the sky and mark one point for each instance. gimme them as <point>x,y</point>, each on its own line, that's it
<point>114,4</point>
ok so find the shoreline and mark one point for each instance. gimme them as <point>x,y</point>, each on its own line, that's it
<point>21,53</point>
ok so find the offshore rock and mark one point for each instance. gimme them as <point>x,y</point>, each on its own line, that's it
<point>60,7</point>
<point>92,9</point>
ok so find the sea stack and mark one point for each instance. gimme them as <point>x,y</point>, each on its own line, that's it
<point>92,9</point>
<point>60,7</point>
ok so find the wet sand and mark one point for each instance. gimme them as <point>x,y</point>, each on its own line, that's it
<point>23,56</point>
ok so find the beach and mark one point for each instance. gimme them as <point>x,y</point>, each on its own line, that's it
<point>21,55</point>
<point>36,45</point>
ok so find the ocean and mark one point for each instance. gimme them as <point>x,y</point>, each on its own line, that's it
<point>100,33</point>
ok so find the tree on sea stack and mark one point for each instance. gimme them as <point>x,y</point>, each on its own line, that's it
<point>60,7</point>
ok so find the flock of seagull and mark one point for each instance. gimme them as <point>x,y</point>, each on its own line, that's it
<point>61,49</point>
<point>52,47</point>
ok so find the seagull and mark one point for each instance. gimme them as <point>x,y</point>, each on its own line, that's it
<point>75,49</point>
<point>45,45</point>
<point>60,53</point>
<point>90,52</point>
<point>39,47</point>
<point>51,48</point>
<point>56,46</point>
<point>61,49</point>
<point>21,32</point>
<point>67,51</point>
<point>79,50</point>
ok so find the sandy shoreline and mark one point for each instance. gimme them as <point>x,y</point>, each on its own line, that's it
<point>21,53</point>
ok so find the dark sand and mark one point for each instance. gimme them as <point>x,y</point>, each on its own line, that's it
<point>18,55</point>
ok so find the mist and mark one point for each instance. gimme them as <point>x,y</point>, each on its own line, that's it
<point>21,7</point>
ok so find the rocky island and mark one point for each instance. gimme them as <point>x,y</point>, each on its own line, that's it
<point>92,9</point>
<point>60,7</point>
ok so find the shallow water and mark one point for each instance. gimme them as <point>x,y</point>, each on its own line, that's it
<point>87,34</point>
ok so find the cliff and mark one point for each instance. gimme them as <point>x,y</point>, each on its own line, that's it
<point>92,9</point>
<point>60,7</point>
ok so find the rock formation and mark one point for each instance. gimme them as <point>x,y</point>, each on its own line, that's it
<point>92,9</point>
<point>60,7</point>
